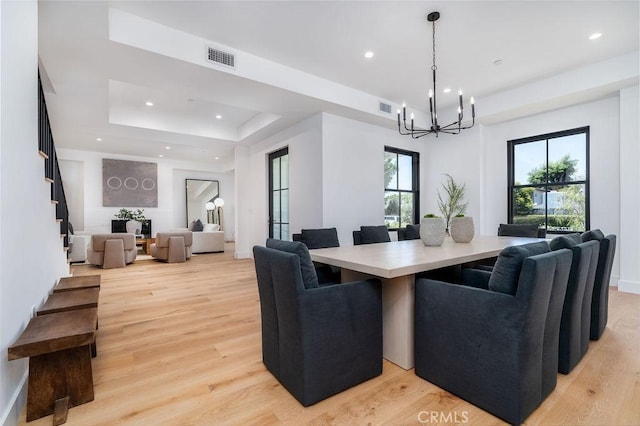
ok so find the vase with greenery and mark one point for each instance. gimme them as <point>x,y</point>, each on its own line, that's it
<point>134,219</point>
<point>452,202</point>
<point>432,230</point>
<point>461,228</point>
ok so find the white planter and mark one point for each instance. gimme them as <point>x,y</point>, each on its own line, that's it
<point>462,229</point>
<point>134,227</point>
<point>432,231</point>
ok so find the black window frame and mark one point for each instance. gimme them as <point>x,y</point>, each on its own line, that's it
<point>511,187</point>
<point>415,182</point>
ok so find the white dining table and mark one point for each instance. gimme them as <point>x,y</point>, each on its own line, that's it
<point>396,264</point>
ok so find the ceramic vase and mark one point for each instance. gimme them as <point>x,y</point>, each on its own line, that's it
<point>134,227</point>
<point>432,231</point>
<point>462,229</point>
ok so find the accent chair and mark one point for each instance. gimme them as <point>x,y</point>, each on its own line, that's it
<point>172,247</point>
<point>112,250</point>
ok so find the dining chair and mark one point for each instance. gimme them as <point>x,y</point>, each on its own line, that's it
<point>371,235</point>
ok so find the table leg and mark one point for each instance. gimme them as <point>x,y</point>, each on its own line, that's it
<point>398,304</point>
<point>56,375</point>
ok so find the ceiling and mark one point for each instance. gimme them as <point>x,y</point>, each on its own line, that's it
<point>97,88</point>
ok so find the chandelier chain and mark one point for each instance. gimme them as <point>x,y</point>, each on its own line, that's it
<point>433,26</point>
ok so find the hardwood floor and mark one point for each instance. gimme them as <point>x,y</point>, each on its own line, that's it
<point>179,344</point>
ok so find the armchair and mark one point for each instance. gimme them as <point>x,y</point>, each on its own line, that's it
<point>172,246</point>
<point>317,341</point>
<point>496,348</point>
<point>321,238</point>
<point>112,250</point>
<point>371,235</point>
<point>600,299</point>
<point>576,310</point>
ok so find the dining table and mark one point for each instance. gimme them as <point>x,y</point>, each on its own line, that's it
<point>396,264</point>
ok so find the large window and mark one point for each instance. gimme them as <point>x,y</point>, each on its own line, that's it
<point>279,194</point>
<point>401,183</point>
<point>549,181</point>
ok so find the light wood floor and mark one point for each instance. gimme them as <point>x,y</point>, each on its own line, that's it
<point>179,344</point>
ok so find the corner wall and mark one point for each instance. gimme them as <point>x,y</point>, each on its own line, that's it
<point>32,258</point>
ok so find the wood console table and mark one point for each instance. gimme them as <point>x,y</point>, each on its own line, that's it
<point>60,375</point>
<point>146,242</point>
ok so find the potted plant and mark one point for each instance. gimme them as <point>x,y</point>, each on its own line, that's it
<point>452,203</point>
<point>134,219</point>
<point>432,230</point>
<point>461,228</point>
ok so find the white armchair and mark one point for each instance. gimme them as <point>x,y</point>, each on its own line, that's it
<point>78,247</point>
<point>209,240</point>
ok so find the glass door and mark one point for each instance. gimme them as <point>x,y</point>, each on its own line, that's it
<point>279,194</point>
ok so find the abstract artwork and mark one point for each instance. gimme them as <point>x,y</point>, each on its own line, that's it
<point>129,183</point>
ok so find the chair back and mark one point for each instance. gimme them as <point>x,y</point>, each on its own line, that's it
<point>520,230</point>
<point>319,238</point>
<point>600,299</point>
<point>98,241</point>
<point>371,235</point>
<point>162,238</point>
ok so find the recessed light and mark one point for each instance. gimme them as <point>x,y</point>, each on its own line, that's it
<point>167,147</point>
<point>217,158</point>
<point>446,90</point>
<point>161,155</point>
<point>218,116</point>
<point>149,103</point>
<point>99,139</point>
<point>595,36</point>
<point>368,54</point>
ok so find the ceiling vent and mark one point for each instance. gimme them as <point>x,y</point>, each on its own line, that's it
<point>385,108</point>
<point>221,57</point>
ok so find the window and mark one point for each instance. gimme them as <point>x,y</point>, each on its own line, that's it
<point>549,181</point>
<point>279,194</point>
<point>401,183</point>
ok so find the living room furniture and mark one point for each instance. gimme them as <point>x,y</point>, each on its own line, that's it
<point>172,247</point>
<point>78,248</point>
<point>60,374</point>
<point>316,340</point>
<point>600,298</point>
<point>396,263</point>
<point>209,240</point>
<point>145,243</point>
<point>495,348</point>
<point>112,250</point>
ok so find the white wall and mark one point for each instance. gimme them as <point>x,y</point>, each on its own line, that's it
<point>628,249</point>
<point>32,258</point>
<point>353,173</point>
<point>170,212</point>
<point>602,118</point>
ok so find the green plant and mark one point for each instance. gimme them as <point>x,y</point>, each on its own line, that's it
<point>453,203</point>
<point>460,215</point>
<point>126,214</point>
<point>430,216</point>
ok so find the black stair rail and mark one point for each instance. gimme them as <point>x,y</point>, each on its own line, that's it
<point>47,150</point>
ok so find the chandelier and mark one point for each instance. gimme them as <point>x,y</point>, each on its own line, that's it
<point>453,128</point>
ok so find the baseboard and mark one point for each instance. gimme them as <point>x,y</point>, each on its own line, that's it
<point>629,286</point>
<point>241,255</point>
<point>16,403</point>
<point>613,281</point>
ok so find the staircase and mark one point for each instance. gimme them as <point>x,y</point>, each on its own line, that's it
<point>47,151</point>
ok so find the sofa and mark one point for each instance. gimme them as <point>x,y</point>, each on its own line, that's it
<point>209,240</point>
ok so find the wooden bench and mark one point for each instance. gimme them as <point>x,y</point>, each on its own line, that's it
<point>71,301</point>
<point>77,283</point>
<point>60,375</point>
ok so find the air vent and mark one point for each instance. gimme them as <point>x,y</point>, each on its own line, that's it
<point>385,107</point>
<point>221,57</point>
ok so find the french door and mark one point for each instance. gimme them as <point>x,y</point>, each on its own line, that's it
<point>279,194</point>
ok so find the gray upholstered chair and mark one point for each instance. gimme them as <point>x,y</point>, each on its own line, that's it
<point>172,247</point>
<point>576,311</point>
<point>498,347</point>
<point>410,232</point>
<point>112,250</point>
<point>600,299</point>
<point>316,340</point>
<point>521,230</point>
<point>317,239</point>
<point>371,235</point>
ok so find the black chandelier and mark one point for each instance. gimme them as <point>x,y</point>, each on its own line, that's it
<point>453,128</point>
